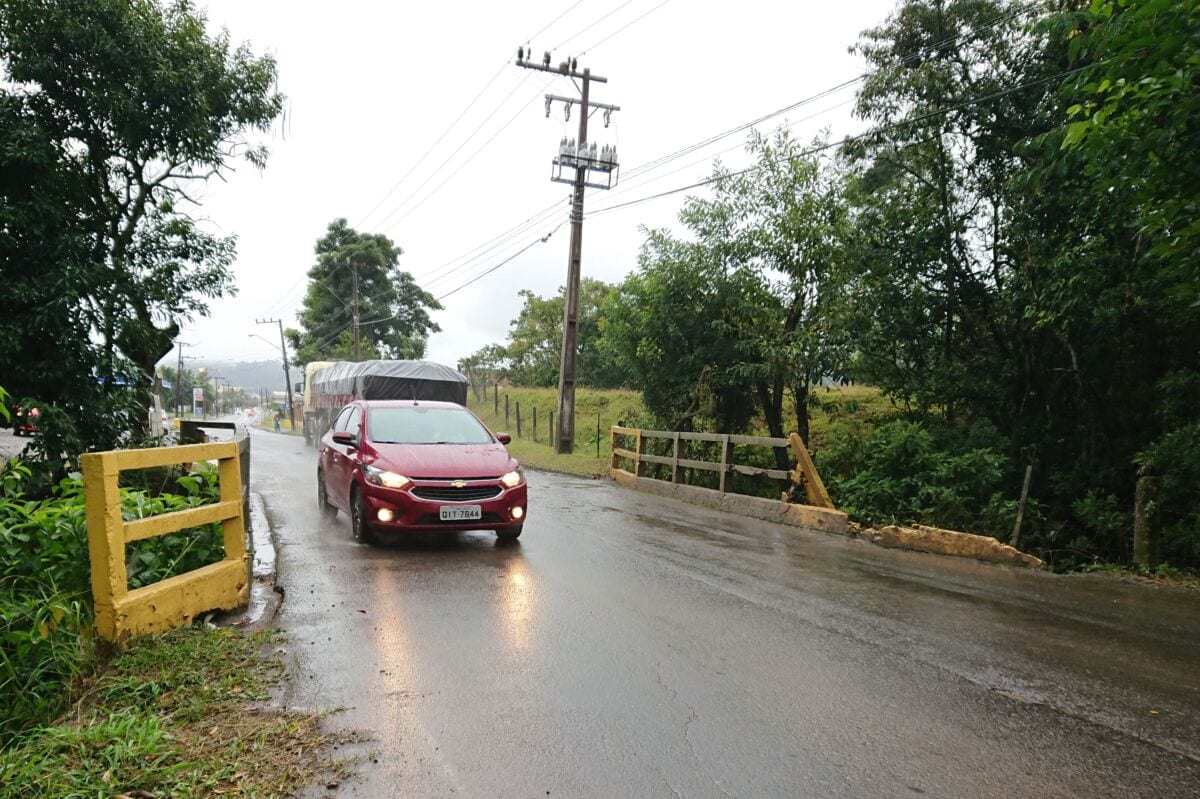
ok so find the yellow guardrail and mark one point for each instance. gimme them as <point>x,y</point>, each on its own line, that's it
<point>122,614</point>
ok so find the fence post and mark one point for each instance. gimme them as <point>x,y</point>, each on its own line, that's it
<point>726,457</point>
<point>638,468</point>
<point>495,399</point>
<point>550,437</point>
<point>612,448</point>
<point>597,436</point>
<point>1145,522</point>
<point>535,424</point>
<point>506,410</point>
<point>518,419</point>
<point>1015,541</point>
<point>675,455</point>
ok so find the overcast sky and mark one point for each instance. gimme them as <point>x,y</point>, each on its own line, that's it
<point>372,132</point>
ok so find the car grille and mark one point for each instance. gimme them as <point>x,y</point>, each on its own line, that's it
<point>451,494</point>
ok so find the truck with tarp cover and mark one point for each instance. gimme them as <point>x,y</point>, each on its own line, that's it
<point>329,388</point>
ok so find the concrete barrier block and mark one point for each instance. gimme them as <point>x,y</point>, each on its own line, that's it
<point>920,538</point>
<point>769,510</point>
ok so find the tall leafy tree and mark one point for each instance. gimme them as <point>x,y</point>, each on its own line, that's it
<point>928,195</point>
<point>363,268</point>
<point>746,313</point>
<point>785,221</point>
<point>535,338</point>
<point>674,325</point>
<point>120,109</point>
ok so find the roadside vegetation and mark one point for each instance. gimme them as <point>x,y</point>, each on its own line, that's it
<point>182,714</point>
<point>1007,253</point>
<point>112,116</point>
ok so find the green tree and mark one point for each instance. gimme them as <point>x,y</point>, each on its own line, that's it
<point>484,366</point>
<point>118,110</point>
<point>747,311</point>
<point>929,205</point>
<point>674,326</point>
<point>393,311</point>
<point>535,338</point>
<point>785,221</point>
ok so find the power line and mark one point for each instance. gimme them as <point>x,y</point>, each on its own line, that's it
<point>461,166</point>
<point>625,27</point>
<point>848,139</point>
<point>542,240</point>
<point>660,161</point>
<point>438,274</point>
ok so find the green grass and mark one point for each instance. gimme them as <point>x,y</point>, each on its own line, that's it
<point>1162,574</point>
<point>609,406</point>
<point>178,715</point>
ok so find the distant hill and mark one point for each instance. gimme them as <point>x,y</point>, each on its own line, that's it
<point>251,376</point>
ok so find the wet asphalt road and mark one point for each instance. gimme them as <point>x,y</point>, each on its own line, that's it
<point>629,646</point>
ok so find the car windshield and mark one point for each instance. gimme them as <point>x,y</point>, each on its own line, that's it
<point>423,425</point>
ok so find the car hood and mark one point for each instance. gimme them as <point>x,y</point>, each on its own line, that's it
<point>465,461</point>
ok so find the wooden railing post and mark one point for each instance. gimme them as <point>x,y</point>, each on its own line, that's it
<point>814,488</point>
<point>506,410</point>
<point>495,399</point>
<point>535,424</point>
<point>726,483</point>
<point>518,419</point>
<point>675,454</point>
<point>550,435</point>
<point>638,469</point>
<point>612,457</point>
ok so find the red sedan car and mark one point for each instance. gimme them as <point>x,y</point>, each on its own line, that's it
<point>399,466</point>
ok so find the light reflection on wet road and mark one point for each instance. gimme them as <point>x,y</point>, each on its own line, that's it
<point>633,647</point>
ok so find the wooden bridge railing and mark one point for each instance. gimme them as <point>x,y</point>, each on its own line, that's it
<point>804,474</point>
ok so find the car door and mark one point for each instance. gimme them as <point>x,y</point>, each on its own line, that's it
<point>351,459</point>
<point>334,462</point>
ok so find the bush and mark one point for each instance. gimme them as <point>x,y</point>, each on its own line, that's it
<point>45,581</point>
<point>44,645</point>
<point>904,472</point>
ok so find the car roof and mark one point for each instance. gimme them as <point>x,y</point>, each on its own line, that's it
<point>409,404</point>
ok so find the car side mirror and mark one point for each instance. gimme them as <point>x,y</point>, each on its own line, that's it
<point>504,438</point>
<point>346,438</point>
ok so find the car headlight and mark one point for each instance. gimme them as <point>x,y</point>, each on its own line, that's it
<point>511,480</point>
<point>387,479</point>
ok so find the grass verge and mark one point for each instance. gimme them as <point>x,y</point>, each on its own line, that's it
<point>1161,575</point>
<point>182,714</point>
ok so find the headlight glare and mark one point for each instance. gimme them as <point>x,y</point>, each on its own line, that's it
<point>387,479</point>
<point>511,480</point>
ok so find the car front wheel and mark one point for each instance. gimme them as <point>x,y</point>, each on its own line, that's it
<point>358,518</point>
<point>509,535</point>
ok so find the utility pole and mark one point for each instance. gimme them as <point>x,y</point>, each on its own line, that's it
<point>590,165</point>
<point>357,345</point>
<point>179,381</point>
<point>287,374</point>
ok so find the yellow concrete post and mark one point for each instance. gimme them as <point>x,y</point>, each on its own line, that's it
<point>106,541</point>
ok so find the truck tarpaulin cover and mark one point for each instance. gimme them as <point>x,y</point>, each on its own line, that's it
<point>380,380</point>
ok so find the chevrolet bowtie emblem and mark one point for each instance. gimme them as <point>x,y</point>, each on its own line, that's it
<point>459,484</point>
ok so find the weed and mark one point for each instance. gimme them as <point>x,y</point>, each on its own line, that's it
<point>177,715</point>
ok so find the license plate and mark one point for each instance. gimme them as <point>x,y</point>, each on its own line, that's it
<point>460,513</point>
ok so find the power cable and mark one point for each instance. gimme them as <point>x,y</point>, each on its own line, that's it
<point>848,139</point>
